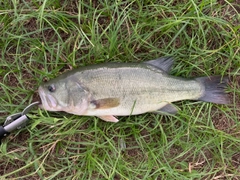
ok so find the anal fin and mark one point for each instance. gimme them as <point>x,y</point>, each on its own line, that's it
<point>167,109</point>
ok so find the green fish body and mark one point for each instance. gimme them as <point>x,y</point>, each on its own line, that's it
<point>122,89</point>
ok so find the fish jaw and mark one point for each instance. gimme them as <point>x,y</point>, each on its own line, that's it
<point>49,103</point>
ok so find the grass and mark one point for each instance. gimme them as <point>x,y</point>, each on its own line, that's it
<point>41,39</point>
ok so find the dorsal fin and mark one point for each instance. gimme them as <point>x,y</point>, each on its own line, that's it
<point>163,63</point>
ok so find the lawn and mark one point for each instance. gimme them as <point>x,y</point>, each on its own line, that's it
<point>40,39</point>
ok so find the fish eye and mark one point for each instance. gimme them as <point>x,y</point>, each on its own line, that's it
<point>51,88</point>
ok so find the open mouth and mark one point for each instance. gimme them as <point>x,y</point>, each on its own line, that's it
<point>48,101</point>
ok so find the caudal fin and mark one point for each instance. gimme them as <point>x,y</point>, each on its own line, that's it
<point>215,87</point>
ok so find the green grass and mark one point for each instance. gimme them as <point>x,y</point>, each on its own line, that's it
<point>41,39</point>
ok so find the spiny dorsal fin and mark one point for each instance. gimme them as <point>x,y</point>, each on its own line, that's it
<point>163,63</point>
<point>105,103</point>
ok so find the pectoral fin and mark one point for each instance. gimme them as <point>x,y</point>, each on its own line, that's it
<point>105,103</point>
<point>109,118</point>
<point>168,109</point>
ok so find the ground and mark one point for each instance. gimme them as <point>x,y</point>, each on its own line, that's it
<point>41,39</point>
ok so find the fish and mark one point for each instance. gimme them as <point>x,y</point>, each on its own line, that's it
<point>108,90</point>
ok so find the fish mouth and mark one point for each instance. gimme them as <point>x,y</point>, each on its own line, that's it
<point>48,101</point>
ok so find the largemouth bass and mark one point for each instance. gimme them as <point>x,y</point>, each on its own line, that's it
<point>123,89</point>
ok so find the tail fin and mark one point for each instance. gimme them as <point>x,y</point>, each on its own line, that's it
<point>214,89</point>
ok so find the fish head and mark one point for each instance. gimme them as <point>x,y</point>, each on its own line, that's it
<point>64,95</point>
